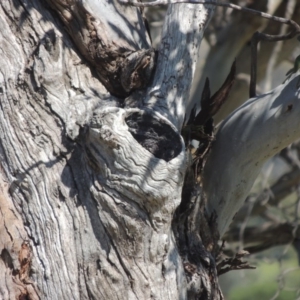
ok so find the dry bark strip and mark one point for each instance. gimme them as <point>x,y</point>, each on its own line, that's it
<point>123,61</point>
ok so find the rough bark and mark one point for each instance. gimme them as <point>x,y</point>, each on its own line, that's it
<point>98,199</point>
<point>90,187</point>
<point>232,41</point>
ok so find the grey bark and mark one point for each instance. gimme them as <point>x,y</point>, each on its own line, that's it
<point>91,184</point>
<point>86,207</point>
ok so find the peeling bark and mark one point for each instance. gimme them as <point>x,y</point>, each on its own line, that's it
<point>95,185</point>
<point>98,194</point>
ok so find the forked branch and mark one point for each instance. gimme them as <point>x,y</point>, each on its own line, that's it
<point>257,37</point>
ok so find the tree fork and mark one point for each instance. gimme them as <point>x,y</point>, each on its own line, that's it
<point>93,181</point>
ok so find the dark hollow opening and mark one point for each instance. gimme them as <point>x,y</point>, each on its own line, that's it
<point>157,137</point>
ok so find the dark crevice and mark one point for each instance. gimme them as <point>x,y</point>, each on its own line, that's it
<point>157,137</point>
<point>7,259</point>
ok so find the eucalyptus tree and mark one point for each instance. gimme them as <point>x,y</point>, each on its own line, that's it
<point>101,197</point>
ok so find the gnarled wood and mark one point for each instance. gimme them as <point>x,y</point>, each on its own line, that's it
<point>98,198</point>
<point>95,185</point>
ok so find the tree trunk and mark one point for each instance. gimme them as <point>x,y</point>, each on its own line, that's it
<point>96,201</point>
<point>87,201</point>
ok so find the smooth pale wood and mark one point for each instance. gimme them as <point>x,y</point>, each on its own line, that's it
<point>181,38</point>
<point>253,133</point>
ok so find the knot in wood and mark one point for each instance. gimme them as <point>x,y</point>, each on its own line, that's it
<point>137,69</point>
<point>155,135</point>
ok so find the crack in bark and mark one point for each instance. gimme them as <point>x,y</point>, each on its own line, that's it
<point>154,135</point>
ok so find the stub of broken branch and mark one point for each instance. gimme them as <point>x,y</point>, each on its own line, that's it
<point>234,263</point>
<point>211,105</point>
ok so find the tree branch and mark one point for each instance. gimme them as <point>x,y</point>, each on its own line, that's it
<point>228,5</point>
<point>272,196</point>
<point>257,37</point>
<point>247,138</point>
<point>260,238</point>
<point>181,38</point>
<point>290,8</point>
<point>231,41</point>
